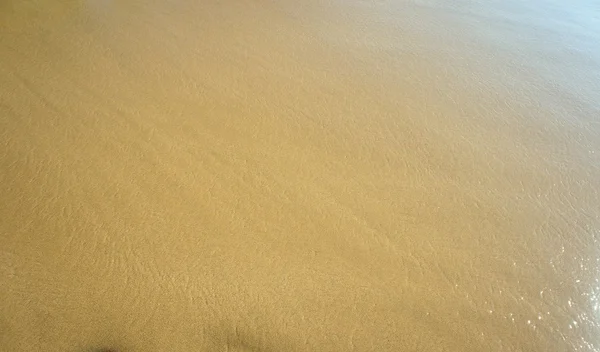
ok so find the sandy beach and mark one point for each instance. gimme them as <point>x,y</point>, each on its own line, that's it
<point>323,176</point>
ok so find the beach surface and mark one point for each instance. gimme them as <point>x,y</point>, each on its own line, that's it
<point>283,175</point>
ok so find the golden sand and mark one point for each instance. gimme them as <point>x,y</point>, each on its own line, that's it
<point>299,175</point>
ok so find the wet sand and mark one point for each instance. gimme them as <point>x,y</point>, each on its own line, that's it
<point>312,176</point>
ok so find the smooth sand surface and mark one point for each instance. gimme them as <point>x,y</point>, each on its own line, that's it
<point>299,175</point>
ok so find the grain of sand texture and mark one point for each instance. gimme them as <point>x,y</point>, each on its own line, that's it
<point>246,175</point>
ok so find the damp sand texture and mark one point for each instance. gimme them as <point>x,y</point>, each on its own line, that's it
<point>299,175</point>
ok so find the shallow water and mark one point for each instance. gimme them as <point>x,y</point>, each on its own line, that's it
<point>314,176</point>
